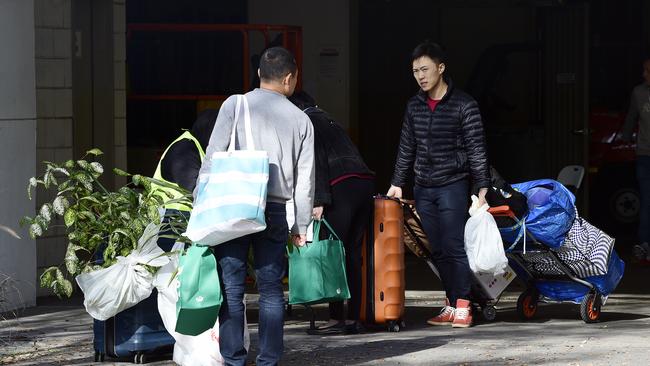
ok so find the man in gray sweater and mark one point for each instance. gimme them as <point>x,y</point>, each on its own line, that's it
<point>286,134</point>
<point>639,115</point>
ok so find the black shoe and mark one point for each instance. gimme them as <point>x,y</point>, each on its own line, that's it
<point>353,328</point>
<point>338,328</point>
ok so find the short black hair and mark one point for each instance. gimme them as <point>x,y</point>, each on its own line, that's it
<point>276,63</point>
<point>302,100</point>
<point>433,50</point>
<point>203,126</point>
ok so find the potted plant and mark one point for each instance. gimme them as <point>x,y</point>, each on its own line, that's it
<point>101,225</point>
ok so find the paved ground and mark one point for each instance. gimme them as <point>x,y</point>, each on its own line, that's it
<point>57,333</point>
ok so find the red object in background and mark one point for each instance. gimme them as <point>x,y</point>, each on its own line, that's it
<point>605,145</point>
<point>614,195</point>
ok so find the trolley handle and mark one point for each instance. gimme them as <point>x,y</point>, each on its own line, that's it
<point>502,211</point>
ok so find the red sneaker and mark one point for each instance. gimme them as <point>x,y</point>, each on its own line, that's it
<point>445,317</point>
<point>463,314</point>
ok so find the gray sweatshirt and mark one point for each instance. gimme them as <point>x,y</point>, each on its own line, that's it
<point>287,135</point>
<point>639,112</point>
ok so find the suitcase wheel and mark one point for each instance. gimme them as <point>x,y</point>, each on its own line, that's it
<point>396,326</point>
<point>99,357</point>
<point>140,358</point>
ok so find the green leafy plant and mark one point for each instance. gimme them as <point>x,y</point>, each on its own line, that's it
<point>100,224</point>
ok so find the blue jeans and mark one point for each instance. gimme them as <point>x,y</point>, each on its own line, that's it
<point>269,248</point>
<point>443,212</point>
<point>643,177</point>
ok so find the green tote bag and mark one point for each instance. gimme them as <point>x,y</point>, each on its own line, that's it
<point>199,291</point>
<point>317,270</point>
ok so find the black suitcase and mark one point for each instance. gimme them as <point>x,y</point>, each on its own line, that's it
<point>135,332</point>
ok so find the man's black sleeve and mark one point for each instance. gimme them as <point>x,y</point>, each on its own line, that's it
<point>475,145</point>
<point>405,153</point>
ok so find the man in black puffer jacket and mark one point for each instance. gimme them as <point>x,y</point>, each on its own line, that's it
<point>443,143</point>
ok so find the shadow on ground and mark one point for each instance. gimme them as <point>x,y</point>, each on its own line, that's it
<point>375,351</point>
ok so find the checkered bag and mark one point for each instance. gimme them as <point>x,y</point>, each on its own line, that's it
<point>541,263</point>
<point>586,250</point>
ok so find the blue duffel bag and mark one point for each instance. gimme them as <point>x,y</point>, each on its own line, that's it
<point>551,210</point>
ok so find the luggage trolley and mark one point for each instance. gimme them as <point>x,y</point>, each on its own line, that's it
<point>554,281</point>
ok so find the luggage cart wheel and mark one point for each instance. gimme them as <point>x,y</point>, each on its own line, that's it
<point>489,313</point>
<point>590,307</point>
<point>527,304</point>
<point>99,357</point>
<point>394,326</point>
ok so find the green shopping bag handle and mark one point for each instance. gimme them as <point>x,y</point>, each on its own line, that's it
<point>290,247</point>
<point>317,230</point>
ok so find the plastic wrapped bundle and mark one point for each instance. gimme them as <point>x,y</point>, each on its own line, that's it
<point>551,210</point>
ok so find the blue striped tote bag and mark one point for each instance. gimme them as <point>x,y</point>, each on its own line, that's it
<point>231,195</point>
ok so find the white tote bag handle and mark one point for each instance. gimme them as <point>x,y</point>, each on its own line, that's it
<point>250,144</point>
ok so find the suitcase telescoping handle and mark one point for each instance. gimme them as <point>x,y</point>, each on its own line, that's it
<point>385,197</point>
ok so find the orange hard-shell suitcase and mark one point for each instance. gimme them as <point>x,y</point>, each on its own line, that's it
<point>382,300</point>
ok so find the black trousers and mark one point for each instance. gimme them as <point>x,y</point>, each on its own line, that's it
<point>443,211</point>
<point>349,214</point>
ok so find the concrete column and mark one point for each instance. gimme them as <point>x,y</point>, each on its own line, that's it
<point>17,149</point>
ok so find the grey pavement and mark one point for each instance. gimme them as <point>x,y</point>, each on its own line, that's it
<point>60,333</point>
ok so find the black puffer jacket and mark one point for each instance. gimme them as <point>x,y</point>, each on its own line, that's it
<point>442,146</point>
<point>336,154</point>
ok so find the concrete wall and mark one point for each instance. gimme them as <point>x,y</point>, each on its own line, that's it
<point>327,54</point>
<point>17,149</point>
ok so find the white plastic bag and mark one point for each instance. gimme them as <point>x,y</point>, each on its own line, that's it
<point>201,350</point>
<point>483,243</point>
<point>127,282</point>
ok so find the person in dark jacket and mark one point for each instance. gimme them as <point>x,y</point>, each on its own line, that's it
<point>343,194</point>
<point>179,165</point>
<point>638,118</point>
<point>443,143</point>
